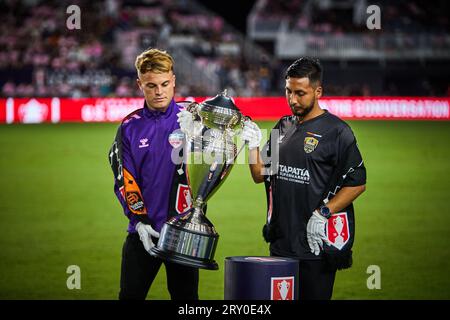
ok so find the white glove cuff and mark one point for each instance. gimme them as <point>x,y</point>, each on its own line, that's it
<point>318,215</point>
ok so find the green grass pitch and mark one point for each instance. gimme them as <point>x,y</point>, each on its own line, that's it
<point>57,208</point>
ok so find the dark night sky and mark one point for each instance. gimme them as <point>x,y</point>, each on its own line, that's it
<point>234,12</point>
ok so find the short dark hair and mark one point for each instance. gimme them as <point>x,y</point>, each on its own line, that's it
<point>306,67</point>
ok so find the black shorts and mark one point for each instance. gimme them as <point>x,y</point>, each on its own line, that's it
<point>139,269</point>
<point>316,281</point>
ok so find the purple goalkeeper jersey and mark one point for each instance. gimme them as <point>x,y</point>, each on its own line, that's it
<point>142,153</point>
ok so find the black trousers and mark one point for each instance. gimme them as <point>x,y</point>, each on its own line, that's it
<point>315,280</point>
<point>139,269</point>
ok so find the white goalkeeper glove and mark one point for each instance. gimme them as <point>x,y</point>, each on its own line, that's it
<point>252,134</point>
<point>146,232</point>
<point>315,232</point>
<point>186,121</point>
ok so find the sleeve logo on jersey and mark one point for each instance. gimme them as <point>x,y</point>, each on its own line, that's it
<point>133,194</point>
<point>176,139</point>
<point>184,199</point>
<point>135,202</point>
<point>337,230</point>
<point>310,144</point>
<point>143,143</point>
<point>282,288</point>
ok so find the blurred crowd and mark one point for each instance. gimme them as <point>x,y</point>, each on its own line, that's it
<point>404,25</point>
<point>40,56</point>
<point>339,17</point>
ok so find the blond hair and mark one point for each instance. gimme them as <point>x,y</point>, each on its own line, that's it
<point>154,60</point>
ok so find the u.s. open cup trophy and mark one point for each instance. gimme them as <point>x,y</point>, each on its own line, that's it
<point>209,154</point>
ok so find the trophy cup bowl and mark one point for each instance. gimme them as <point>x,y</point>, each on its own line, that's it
<point>190,238</point>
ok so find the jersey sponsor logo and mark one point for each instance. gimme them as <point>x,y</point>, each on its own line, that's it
<point>184,198</point>
<point>282,288</point>
<point>144,143</point>
<point>293,174</point>
<point>133,194</point>
<point>176,139</point>
<point>310,144</point>
<point>134,201</point>
<point>338,232</point>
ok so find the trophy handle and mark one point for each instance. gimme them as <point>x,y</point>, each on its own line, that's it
<point>194,108</point>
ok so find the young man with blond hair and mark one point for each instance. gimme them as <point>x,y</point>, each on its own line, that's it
<point>149,186</point>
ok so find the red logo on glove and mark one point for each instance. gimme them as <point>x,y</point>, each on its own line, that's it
<point>337,230</point>
<point>184,199</point>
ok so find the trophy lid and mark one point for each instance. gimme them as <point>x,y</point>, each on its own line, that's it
<point>220,112</point>
<point>221,100</point>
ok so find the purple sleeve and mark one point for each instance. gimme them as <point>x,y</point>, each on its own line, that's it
<point>126,187</point>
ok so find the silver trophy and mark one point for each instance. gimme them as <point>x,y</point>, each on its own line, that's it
<point>209,154</point>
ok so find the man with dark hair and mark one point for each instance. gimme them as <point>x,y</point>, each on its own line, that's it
<point>318,173</point>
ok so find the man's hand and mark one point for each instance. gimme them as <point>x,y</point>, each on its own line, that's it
<point>252,134</point>
<point>315,232</point>
<point>145,232</point>
<point>186,121</point>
